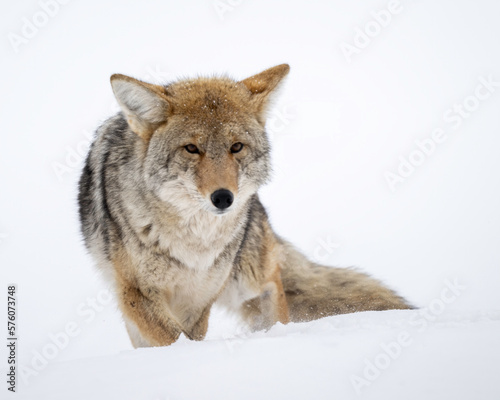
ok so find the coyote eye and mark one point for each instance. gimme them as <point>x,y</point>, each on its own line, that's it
<point>191,148</point>
<point>236,148</point>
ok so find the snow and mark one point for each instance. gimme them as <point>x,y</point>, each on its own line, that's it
<point>336,129</point>
<point>348,357</point>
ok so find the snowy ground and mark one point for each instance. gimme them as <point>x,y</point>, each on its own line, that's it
<point>391,355</point>
<point>344,120</point>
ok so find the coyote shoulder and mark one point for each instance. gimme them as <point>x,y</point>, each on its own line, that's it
<point>170,213</point>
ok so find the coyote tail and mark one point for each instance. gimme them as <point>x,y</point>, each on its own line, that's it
<point>315,291</point>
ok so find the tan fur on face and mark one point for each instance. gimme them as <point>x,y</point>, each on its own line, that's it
<point>214,174</point>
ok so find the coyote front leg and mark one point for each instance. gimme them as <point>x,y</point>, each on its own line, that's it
<point>148,316</point>
<point>199,329</point>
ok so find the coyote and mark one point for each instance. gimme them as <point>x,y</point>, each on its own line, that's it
<point>169,211</point>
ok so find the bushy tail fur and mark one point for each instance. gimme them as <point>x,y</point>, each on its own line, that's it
<point>314,291</point>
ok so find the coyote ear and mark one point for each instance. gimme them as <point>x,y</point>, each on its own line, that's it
<point>262,85</point>
<point>145,105</point>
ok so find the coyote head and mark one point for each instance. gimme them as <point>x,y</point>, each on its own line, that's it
<point>204,141</point>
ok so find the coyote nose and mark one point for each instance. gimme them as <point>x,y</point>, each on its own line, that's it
<point>222,199</point>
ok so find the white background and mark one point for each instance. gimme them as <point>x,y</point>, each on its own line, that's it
<point>346,124</point>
